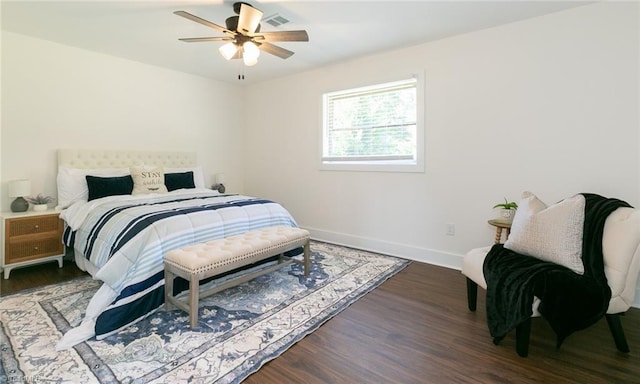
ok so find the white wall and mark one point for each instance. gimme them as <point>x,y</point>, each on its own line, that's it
<point>548,105</point>
<point>56,96</point>
<point>2,190</point>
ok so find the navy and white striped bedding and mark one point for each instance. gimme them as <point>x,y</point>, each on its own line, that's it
<point>125,238</point>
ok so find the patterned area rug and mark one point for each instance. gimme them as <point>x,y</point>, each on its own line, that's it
<point>240,328</point>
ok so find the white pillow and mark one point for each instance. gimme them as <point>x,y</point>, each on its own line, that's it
<point>148,180</point>
<point>549,233</point>
<point>72,184</point>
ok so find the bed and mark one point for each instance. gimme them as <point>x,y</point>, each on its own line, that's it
<point>123,210</point>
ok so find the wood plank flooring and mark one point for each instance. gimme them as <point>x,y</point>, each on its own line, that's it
<point>416,328</point>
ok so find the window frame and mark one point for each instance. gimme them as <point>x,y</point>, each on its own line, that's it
<point>379,165</point>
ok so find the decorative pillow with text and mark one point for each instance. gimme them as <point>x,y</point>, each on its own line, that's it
<point>549,233</point>
<point>148,180</point>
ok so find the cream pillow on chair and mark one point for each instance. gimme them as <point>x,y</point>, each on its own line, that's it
<point>549,233</point>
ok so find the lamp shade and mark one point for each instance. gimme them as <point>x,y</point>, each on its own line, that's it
<point>250,53</point>
<point>228,50</point>
<point>19,188</point>
<point>249,62</point>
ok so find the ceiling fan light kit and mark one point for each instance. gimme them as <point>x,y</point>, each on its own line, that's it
<point>250,53</point>
<point>243,37</point>
<point>228,50</point>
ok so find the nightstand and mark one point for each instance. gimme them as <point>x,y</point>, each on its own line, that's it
<point>31,238</point>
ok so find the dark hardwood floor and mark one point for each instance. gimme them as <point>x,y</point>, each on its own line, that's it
<point>39,275</point>
<point>416,328</point>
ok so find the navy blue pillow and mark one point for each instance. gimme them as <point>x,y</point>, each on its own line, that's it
<point>109,186</point>
<point>181,180</point>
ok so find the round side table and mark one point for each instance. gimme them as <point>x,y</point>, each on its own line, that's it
<point>500,224</point>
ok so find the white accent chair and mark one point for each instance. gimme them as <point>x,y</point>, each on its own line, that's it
<point>621,252</point>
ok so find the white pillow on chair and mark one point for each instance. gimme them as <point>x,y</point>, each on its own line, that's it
<point>549,233</point>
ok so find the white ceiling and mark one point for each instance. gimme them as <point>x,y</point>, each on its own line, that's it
<point>147,31</point>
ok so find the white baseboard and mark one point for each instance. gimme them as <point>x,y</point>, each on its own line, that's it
<point>424,255</point>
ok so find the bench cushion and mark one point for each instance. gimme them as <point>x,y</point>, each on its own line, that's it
<point>222,255</point>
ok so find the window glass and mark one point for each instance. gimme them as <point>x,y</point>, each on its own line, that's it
<point>372,126</point>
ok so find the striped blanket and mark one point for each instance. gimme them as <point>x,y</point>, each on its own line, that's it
<point>124,239</point>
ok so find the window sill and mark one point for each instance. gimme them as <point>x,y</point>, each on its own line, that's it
<point>368,167</point>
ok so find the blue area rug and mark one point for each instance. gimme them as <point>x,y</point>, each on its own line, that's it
<point>240,328</point>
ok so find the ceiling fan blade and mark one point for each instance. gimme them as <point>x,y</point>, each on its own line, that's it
<point>249,19</point>
<point>204,22</point>
<point>275,50</point>
<point>283,36</point>
<point>200,39</point>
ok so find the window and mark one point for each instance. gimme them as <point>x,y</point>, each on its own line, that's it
<point>374,128</point>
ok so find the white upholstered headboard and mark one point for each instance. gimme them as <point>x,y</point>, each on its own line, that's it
<point>96,158</point>
<point>75,164</point>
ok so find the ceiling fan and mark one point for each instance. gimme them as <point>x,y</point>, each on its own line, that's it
<point>243,36</point>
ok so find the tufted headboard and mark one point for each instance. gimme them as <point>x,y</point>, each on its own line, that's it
<point>75,164</point>
<point>96,158</point>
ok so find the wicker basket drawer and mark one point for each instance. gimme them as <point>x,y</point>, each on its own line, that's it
<point>33,225</point>
<point>33,249</point>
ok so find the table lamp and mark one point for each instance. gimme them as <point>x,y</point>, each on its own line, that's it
<point>19,189</point>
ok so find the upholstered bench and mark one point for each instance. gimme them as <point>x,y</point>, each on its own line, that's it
<point>204,260</point>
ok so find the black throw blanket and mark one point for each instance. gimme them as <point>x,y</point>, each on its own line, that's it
<point>569,301</point>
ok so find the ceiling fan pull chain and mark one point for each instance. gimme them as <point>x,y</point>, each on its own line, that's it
<point>240,72</point>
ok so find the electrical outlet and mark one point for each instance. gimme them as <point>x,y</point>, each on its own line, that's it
<point>451,229</point>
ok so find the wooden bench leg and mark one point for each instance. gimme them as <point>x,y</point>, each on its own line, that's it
<point>194,292</point>
<point>307,258</point>
<point>168,288</point>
